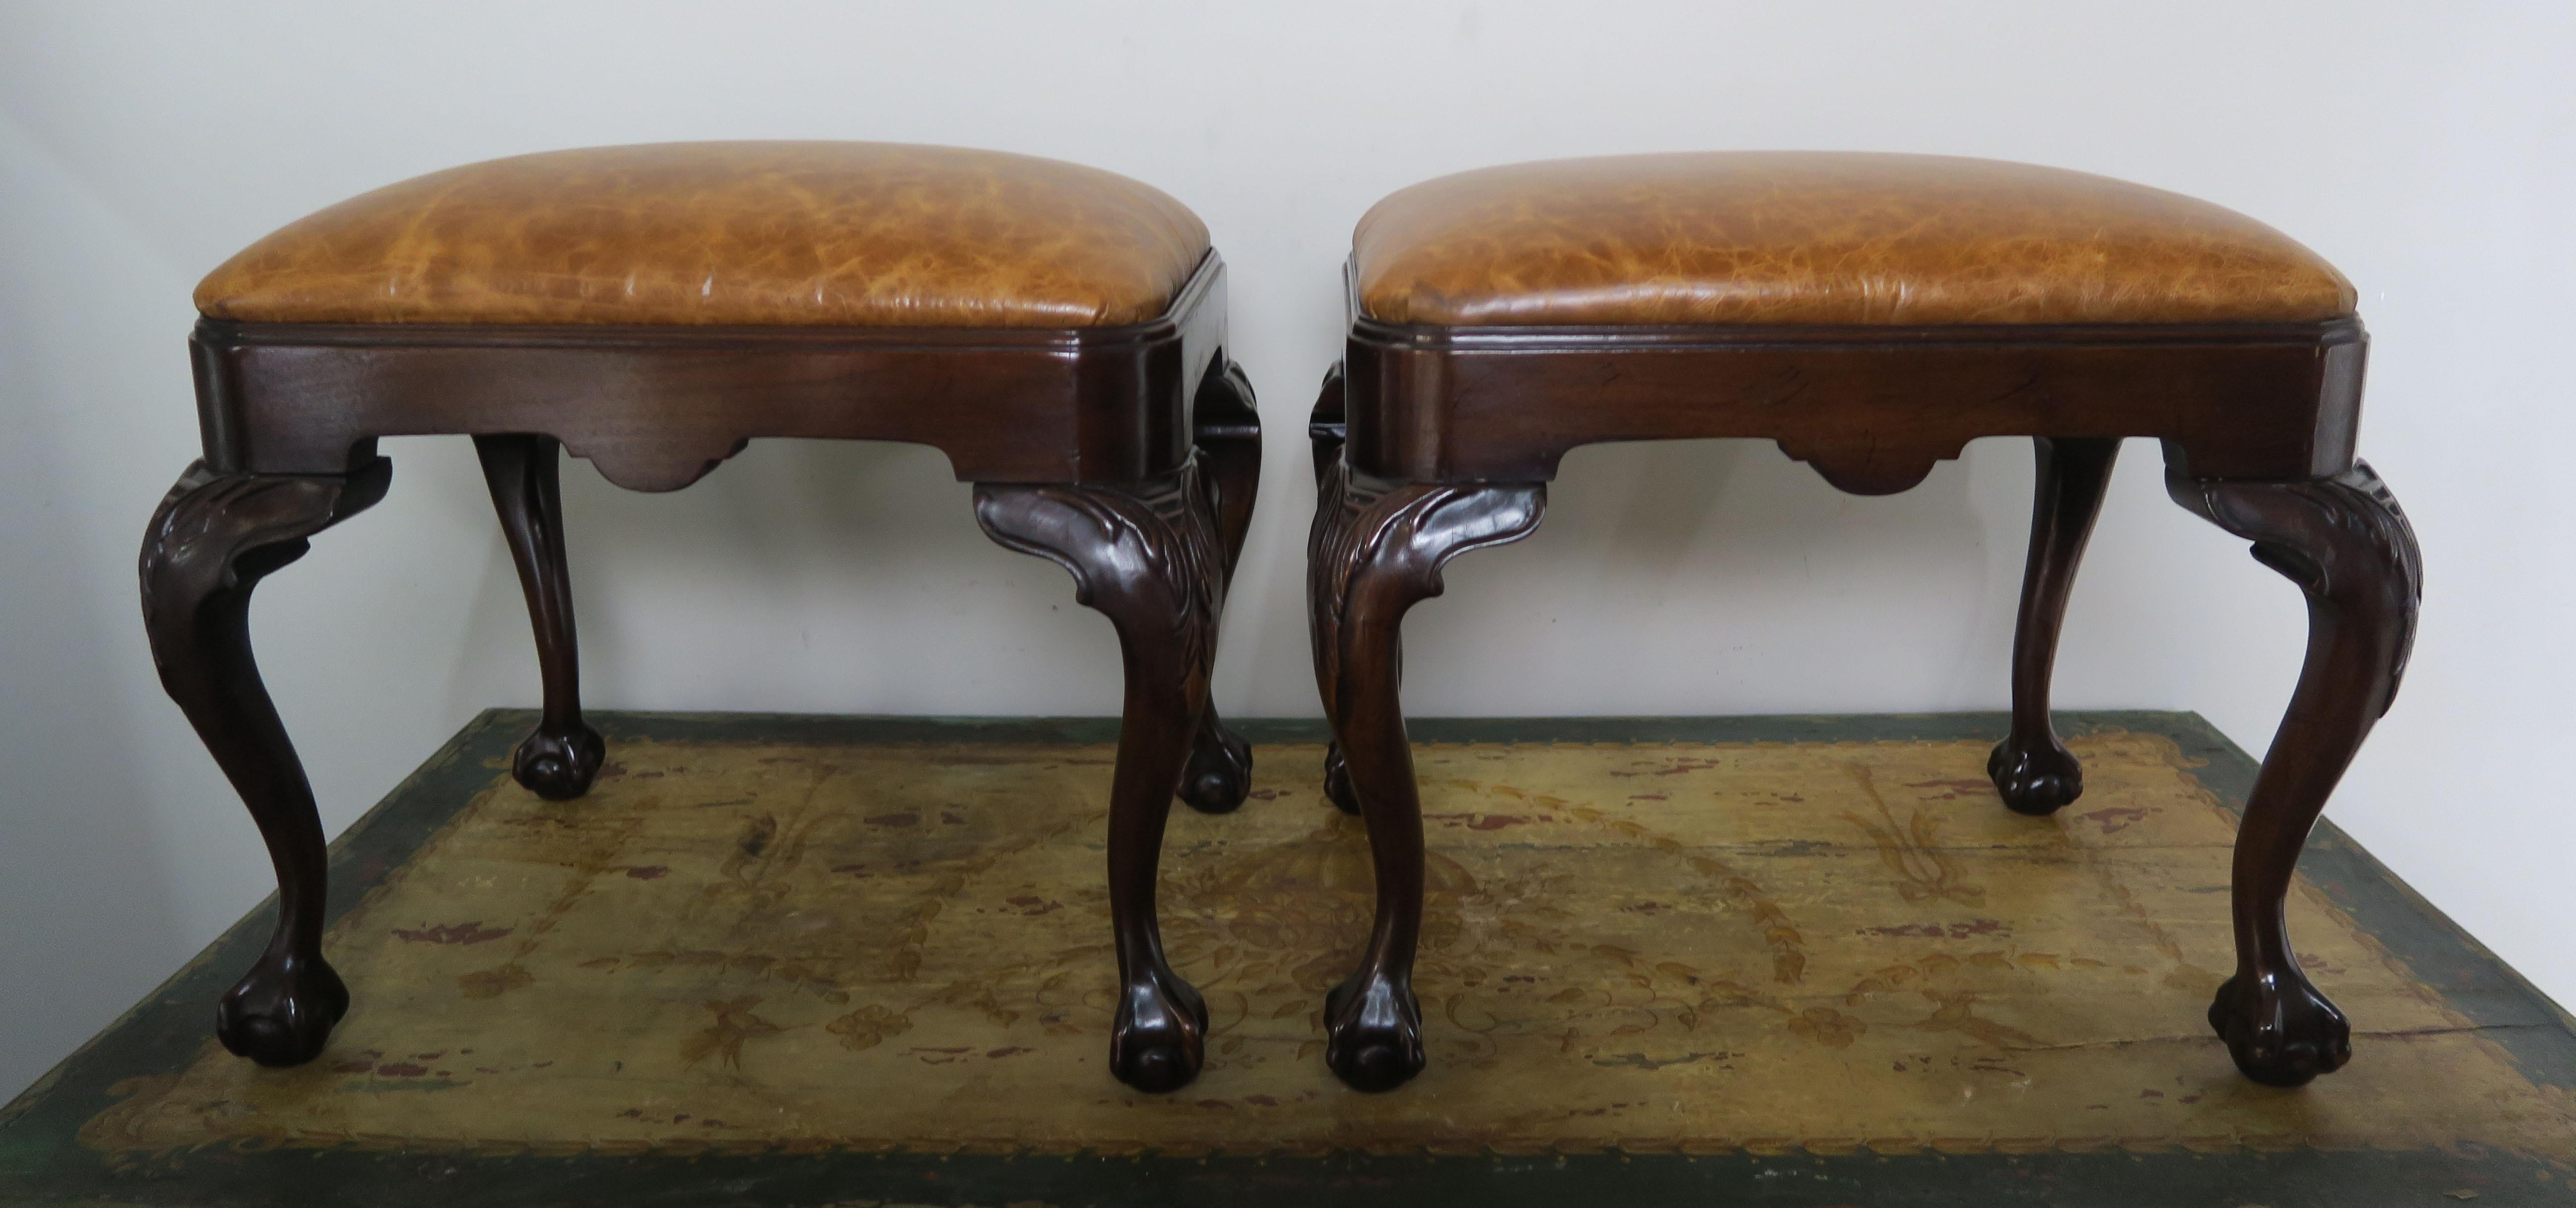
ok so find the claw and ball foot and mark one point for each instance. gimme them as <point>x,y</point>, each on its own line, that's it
<point>2037,780</point>
<point>1376,551</point>
<point>1158,1039</point>
<point>2347,545</point>
<point>559,762</point>
<point>1373,1031</point>
<point>2032,770</point>
<point>1220,770</point>
<point>211,541</point>
<point>2279,1029</point>
<point>282,1012</point>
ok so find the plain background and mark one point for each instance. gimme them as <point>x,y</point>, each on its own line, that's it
<point>2428,150</point>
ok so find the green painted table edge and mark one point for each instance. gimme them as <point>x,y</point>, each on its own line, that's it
<point>41,1162</point>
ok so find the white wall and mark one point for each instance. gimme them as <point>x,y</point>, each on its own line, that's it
<point>2426,150</point>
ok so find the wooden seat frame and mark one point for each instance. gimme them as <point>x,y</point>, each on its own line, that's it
<point>1431,441</point>
<point>1129,455</point>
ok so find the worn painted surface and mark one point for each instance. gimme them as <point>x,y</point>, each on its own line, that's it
<point>1721,947</point>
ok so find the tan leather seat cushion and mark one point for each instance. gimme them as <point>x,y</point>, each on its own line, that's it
<point>754,233</point>
<point>1778,237</point>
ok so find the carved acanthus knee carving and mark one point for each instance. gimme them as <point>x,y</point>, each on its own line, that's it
<point>211,541</point>
<point>2347,545</point>
<point>1376,550</point>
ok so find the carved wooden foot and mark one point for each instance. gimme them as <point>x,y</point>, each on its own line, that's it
<point>1373,1029</point>
<point>212,540</point>
<point>281,1013</point>
<point>2280,1029</point>
<point>2344,541</point>
<point>558,759</point>
<point>2033,771</point>
<point>1376,551</point>
<point>1147,555</point>
<point>1227,430</point>
<point>1220,770</point>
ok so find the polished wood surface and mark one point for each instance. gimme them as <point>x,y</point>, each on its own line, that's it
<point>1150,558</point>
<point>1872,409</point>
<point>2344,541</point>
<point>210,543</point>
<point>656,408</point>
<point>1129,454</point>
<point>1228,437</point>
<point>1327,430</point>
<point>1377,549</point>
<point>558,759</point>
<point>1435,439</point>
<point>2030,767</point>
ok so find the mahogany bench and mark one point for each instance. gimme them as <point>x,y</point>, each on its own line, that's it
<point>1057,331</point>
<point>1871,314</point>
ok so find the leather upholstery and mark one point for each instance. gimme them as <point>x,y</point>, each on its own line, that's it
<point>1774,237</point>
<point>749,233</point>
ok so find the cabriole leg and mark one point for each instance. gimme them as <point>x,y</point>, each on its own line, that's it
<point>1147,556</point>
<point>1326,430</point>
<point>558,759</point>
<point>1376,551</point>
<point>2344,541</point>
<point>1228,435</point>
<point>211,541</point>
<point>2033,771</point>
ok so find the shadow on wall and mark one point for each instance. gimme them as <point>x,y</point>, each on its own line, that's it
<point>829,576</point>
<point>1641,539</point>
<point>1681,576</point>
<point>81,948</point>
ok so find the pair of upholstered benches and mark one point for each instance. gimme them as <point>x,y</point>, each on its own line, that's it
<point>1060,334</point>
